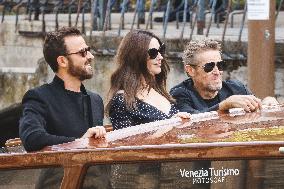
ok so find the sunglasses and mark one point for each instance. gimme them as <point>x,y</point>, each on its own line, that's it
<point>83,52</point>
<point>153,53</point>
<point>208,67</point>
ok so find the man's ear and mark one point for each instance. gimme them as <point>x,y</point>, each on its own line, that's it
<point>189,70</point>
<point>62,61</point>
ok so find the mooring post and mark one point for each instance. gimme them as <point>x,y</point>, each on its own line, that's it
<point>261,47</point>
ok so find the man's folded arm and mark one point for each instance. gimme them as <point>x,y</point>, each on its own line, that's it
<point>32,125</point>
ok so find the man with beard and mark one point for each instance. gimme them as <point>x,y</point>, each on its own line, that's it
<point>62,110</point>
<point>204,90</point>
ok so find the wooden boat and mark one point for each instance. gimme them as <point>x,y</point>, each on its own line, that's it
<point>206,136</point>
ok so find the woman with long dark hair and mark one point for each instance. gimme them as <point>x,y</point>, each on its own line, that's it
<point>138,86</point>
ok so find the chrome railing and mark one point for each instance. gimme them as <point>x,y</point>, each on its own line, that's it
<point>101,12</point>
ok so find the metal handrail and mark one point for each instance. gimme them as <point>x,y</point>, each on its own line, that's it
<point>278,9</point>
<point>135,13</point>
<point>121,21</point>
<point>71,6</point>
<point>7,5</point>
<point>166,19</point>
<point>58,7</point>
<point>150,17</point>
<point>18,6</point>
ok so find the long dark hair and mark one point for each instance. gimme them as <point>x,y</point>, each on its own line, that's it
<point>131,59</point>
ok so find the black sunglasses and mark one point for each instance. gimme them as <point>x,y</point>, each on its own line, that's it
<point>208,67</point>
<point>82,52</point>
<point>153,53</point>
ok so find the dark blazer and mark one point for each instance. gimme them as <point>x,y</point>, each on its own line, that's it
<point>51,115</point>
<point>189,100</point>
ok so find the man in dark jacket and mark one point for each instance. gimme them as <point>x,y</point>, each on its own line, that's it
<point>204,90</point>
<point>62,110</point>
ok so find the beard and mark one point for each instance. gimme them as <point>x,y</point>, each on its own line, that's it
<point>214,87</point>
<point>82,73</point>
<point>210,87</point>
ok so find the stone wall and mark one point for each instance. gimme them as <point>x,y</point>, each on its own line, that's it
<point>14,82</point>
<point>17,50</point>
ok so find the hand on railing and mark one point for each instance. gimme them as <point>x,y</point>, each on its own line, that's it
<point>97,132</point>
